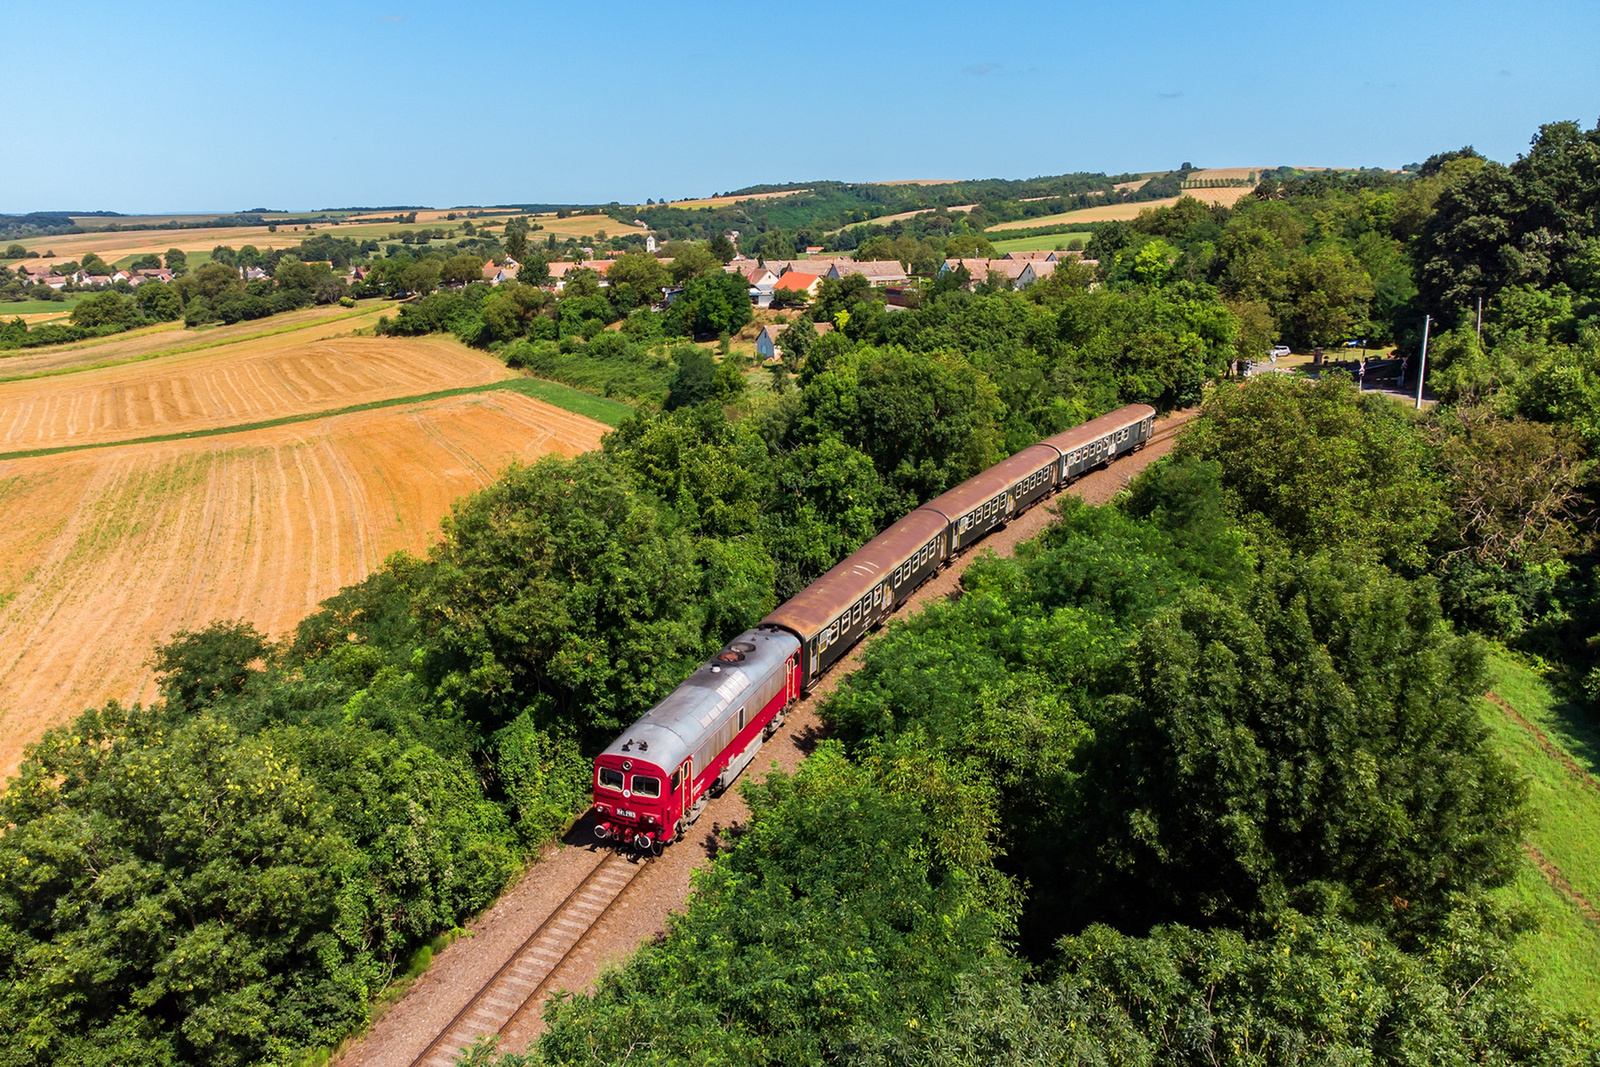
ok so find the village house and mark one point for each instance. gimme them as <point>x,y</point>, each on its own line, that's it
<point>795,281</point>
<point>154,274</point>
<point>767,346</point>
<point>495,275</point>
<point>979,270</point>
<point>1034,270</point>
<point>760,278</point>
<point>767,342</point>
<point>877,272</point>
<point>819,265</point>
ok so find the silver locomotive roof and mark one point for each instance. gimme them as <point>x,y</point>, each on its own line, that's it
<point>742,673</point>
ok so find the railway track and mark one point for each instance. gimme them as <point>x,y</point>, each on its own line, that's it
<point>509,1001</point>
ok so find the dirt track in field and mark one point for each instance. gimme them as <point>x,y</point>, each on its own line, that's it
<point>110,550</point>
<point>406,1028</point>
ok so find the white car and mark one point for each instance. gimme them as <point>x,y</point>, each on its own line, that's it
<point>1279,350</point>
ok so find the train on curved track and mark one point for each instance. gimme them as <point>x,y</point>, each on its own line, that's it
<point>651,783</point>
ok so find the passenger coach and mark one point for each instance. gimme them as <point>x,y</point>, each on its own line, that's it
<point>656,778</point>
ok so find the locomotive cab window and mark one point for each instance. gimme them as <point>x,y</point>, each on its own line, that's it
<point>675,781</point>
<point>645,786</point>
<point>610,778</point>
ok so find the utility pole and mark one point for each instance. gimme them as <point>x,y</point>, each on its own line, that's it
<point>1422,371</point>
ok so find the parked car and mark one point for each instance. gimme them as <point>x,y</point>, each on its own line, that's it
<point>1279,350</point>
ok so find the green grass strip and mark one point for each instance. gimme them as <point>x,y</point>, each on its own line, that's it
<point>598,408</point>
<point>609,412</point>
<point>1563,957</point>
<point>181,349</point>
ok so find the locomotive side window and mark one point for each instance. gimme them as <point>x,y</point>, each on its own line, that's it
<point>610,778</point>
<point>741,718</point>
<point>645,786</point>
<point>675,781</point>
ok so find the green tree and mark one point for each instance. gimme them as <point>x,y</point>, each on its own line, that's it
<point>1341,470</point>
<point>460,269</point>
<point>693,382</point>
<point>636,280</point>
<point>197,669</point>
<point>692,261</point>
<point>1316,749</point>
<point>877,877</point>
<point>516,240</point>
<point>1328,299</point>
<point>927,423</point>
<point>559,591</point>
<point>105,309</point>
<point>159,302</point>
<point>712,304</point>
<point>176,260</point>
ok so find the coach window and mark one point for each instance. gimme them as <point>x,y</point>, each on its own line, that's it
<point>610,778</point>
<point>645,786</point>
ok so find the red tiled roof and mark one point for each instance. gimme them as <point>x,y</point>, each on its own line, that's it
<point>796,280</point>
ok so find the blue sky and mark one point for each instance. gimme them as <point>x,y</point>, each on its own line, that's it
<point>172,106</point>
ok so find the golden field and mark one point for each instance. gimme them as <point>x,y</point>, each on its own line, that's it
<point>112,548</point>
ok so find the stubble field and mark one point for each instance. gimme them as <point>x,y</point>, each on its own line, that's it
<point>1111,212</point>
<point>172,339</point>
<point>111,548</point>
<point>117,247</point>
<point>247,382</point>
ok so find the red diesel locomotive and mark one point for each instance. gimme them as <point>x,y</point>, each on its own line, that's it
<point>654,780</point>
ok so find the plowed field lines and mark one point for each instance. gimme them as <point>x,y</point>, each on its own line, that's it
<point>108,551</point>
<point>252,381</point>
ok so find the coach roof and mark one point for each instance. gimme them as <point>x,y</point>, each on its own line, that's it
<point>1095,429</point>
<point>997,479</point>
<point>819,603</point>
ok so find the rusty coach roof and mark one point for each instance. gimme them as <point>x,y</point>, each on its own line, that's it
<point>954,503</point>
<point>816,605</point>
<point>1079,436</point>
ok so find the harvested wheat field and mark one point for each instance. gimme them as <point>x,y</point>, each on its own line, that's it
<point>719,201</point>
<point>1109,212</point>
<point>583,226</point>
<point>250,381</point>
<point>110,550</point>
<point>171,338</point>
